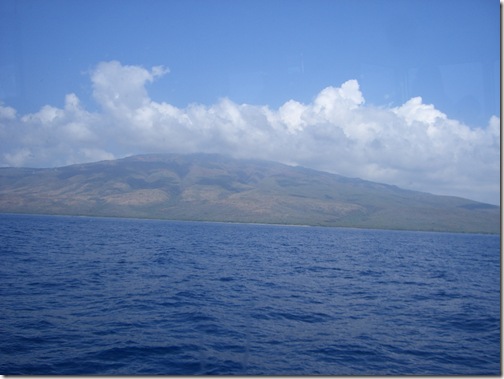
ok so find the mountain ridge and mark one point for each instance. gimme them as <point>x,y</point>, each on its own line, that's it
<point>214,187</point>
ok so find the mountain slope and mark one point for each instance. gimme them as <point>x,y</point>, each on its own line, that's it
<point>217,188</point>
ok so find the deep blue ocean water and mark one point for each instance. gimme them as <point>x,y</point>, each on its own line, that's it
<point>124,296</point>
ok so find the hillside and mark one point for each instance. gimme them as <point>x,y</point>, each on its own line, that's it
<point>217,188</point>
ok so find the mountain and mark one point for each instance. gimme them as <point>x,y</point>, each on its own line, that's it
<point>210,187</point>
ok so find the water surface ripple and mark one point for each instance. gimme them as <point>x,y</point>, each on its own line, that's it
<point>124,296</point>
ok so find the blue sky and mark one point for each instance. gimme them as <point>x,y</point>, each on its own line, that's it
<point>263,51</point>
<point>257,52</point>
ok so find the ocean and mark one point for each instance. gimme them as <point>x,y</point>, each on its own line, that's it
<point>105,296</point>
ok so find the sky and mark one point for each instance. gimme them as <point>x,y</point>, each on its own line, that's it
<point>404,92</point>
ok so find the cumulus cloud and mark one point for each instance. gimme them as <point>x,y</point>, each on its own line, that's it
<point>7,113</point>
<point>414,145</point>
<point>121,89</point>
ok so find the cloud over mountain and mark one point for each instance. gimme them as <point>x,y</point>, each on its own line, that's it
<point>414,145</point>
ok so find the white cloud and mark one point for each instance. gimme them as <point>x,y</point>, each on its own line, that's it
<point>120,88</point>
<point>7,113</point>
<point>415,111</point>
<point>17,157</point>
<point>291,115</point>
<point>96,154</point>
<point>414,145</point>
